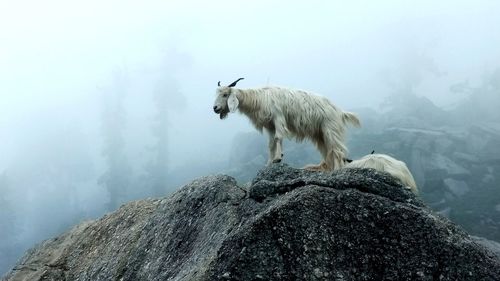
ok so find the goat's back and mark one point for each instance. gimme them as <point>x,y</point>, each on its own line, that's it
<point>305,113</point>
<point>386,163</point>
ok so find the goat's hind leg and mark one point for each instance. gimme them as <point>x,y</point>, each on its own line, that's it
<point>336,151</point>
<point>322,165</point>
<point>334,160</point>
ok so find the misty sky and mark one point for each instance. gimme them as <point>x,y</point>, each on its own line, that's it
<point>66,66</point>
<point>56,57</point>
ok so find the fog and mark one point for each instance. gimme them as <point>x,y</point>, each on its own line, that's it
<point>101,100</point>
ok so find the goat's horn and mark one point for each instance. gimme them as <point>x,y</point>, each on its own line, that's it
<point>373,151</point>
<point>218,83</point>
<point>234,83</point>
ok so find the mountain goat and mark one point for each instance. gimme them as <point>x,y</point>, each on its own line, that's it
<point>386,163</point>
<point>293,114</point>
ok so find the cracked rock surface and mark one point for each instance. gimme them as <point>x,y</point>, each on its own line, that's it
<point>290,224</point>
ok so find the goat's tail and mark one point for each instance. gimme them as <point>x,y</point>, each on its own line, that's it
<point>349,117</point>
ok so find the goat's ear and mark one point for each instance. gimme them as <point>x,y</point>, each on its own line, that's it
<point>232,103</point>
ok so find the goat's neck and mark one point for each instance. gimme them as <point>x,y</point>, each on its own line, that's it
<point>248,100</point>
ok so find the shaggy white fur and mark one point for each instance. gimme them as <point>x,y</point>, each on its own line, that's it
<point>291,113</point>
<point>386,163</point>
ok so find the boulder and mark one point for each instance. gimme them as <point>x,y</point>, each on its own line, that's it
<point>289,224</point>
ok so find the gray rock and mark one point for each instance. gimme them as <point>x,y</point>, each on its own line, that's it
<point>290,224</point>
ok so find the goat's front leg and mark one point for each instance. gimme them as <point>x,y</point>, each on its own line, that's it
<point>278,152</point>
<point>278,140</point>
<point>272,149</point>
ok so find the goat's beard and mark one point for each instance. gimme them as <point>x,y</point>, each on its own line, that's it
<point>223,114</point>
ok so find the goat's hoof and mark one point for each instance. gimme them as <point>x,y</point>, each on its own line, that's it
<point>314,168</point>
<point>277,161</point>
<point>310,168</point>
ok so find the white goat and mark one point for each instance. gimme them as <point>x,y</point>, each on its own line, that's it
<point>291,113</point>
<point>388,164</point>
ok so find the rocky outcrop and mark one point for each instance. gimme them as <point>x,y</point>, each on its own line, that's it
<point>289,224</point>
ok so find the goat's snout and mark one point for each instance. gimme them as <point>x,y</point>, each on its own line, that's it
<point>216,110</point>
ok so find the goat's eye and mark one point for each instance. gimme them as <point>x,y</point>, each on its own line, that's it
<point>225,95</point>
